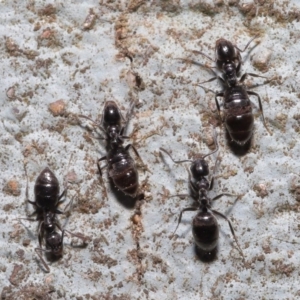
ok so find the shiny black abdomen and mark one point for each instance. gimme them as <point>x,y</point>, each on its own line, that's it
<point>122,170</point>
<point>205,231</point>
<point>238,116</point>
<point>46,190</point>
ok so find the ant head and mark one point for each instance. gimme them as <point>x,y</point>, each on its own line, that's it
<point>111,114</point>
<point>224,50</point>
<point>54,243</point>
<point>199,168</point>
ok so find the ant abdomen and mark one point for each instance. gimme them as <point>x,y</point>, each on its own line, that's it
<point>240,126</point>
<point>122,170</point>
<point>238,116</point>
<point>46,190</point>
<point>205,231</point>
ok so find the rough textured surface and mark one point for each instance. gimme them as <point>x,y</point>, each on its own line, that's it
<point>61,59</point>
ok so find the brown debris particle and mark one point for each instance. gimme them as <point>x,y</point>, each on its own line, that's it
<point>261,190</point>
<point>48,10</point>
<point>57,108</point>
<point>12,187</point>
<point>90,20</point>
<point>135,81</point>
<point>261,60</point>
<point>17,275</point>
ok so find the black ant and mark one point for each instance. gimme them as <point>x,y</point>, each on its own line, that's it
<point>47,201</point>
<point>205,226</point>
<point>121,166</point>
<point>228,60</point>
<point>237,111</point>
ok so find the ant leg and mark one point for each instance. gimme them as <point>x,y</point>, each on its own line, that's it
<point>250,74</point>
<point>39,251</point>
<point>61,196</point>
<point>212,180</point>
<point>175,161</point>
<point>27,194</point>
<point>100,172</point>
<point>137,154</point>
<point>41,233</point>
<point>98,165</point>
<point>78,235</point>
<point>180,195</point>
<point>212,79</point>
<point>180,216</point>
<point>232,231</point>
<point>221,94</point>
<point>194,188</point>
<point>201,53</point>
<point>88,118</point>
<point>226,194</point>
<point>70,204</point>
<point>261,109</point>
<point>247,44</point>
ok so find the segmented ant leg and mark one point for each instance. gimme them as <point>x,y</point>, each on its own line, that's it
<point>57,211</point>
<point>128,117</point>
<point>135,151</point>
<point>193,187</point>
<point>180,196</point>
<point>261,109</point>
<point>88,118</point>
<point>39,252</point>
<point>41,233</point>
<point>201,53</point>
<point>180,216</point>
<point>211,79</point>
<point>98,165</point>
<point>95,124</point>
<point>27,195</point>
<point>221,94</point>
<point>78,235</point>
<point>232,231</point>
<point>251,74</point>
<point>70,204</point>
<point>137,154</point>
<point>175,161</point>
<point>100,172</point>
<point>247,44</point>
<point>226,194</point>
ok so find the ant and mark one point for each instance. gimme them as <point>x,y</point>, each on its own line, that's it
<point>237,111</point>
<point>121,166</point>
<point>205,226</point>
<point>228,60</point>
<point>47,201</point>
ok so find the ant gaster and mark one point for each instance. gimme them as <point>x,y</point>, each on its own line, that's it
<point>121,166</point>
<point>228,60</point>
<point>47,200</point>
<point>205,226</point>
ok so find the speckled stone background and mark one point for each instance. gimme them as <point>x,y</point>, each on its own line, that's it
<point>64,58</point>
